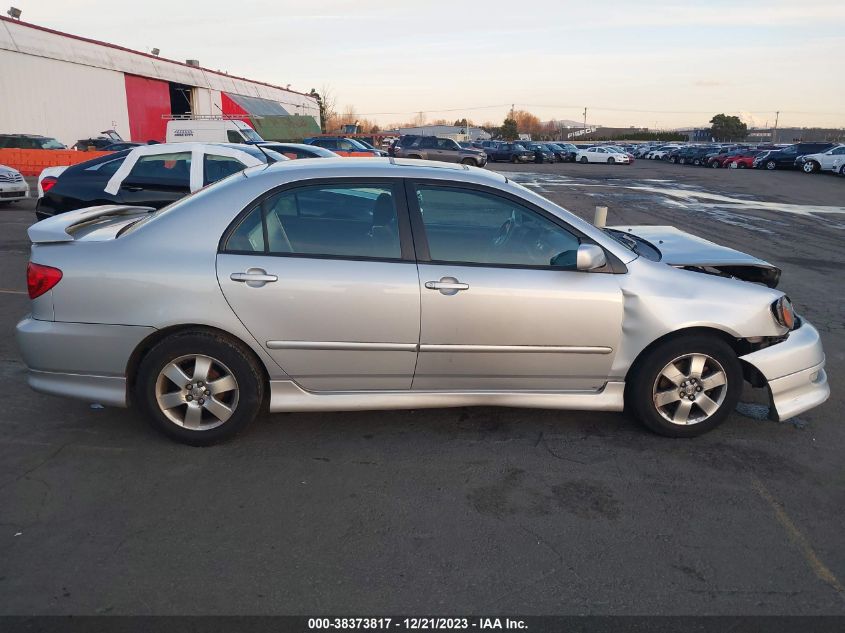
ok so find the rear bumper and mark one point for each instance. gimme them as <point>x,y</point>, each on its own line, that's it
<point>794,371</point>
<point>87,361</point>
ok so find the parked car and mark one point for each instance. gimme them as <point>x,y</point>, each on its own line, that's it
<point>406,140</point>
<point>542,154</point>
<point>29,141</point>
<point>342,146</point>
<point>442,149</point>
<point>822,161</point>
<point>660,153</point>
<point>13,186</point>
<point>295,151</point>
<point>564,152</point>
<point>622,150</point>
<point>150,176</point>
<point>716,158</point>
<point>838,166</point>
<point>745,160</point>
<point>784,158</point>
<point>368,145</point>
<point>204,313</point>
<point>600,154</point>
<point>510,152</point>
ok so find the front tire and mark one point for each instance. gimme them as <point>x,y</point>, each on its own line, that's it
<point>199,387</point>
<point>470,162</point>
<point>771,165</point>
<point>686,386</point>
<point>611,160</point>
<point>810,167</point>
<point>583,160</point>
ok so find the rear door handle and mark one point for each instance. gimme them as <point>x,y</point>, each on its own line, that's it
<point>254,277</point>
<point>447,285</point>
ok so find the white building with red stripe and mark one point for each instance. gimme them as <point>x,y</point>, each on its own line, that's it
<point>70,88</point>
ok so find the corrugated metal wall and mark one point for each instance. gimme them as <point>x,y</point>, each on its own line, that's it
<point>59,99</point>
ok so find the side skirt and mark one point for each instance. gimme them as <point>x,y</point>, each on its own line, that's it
<point>286,395</point>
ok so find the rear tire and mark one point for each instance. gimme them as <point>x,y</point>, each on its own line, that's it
<point>771,165</point>
<point>703,387</point>
<point>223,388</point>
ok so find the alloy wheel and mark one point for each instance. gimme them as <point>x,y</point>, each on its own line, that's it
<point>690,389</point>
<point>196,392</point>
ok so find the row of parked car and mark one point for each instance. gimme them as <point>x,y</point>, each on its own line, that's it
<point>808,157</point>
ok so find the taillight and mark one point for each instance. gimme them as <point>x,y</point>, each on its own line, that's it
<point>48,183</point>
<point>40,279</point>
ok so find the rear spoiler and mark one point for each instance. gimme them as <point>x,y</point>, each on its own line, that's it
<point>60,227</point>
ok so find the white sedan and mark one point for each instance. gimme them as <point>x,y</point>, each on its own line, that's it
<point>829,160</point>
<point>601,155</point>
<point>13,187</point>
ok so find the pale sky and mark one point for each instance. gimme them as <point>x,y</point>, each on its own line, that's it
<point>630,62</point>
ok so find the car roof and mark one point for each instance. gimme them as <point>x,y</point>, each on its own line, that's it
<point>375,168</point>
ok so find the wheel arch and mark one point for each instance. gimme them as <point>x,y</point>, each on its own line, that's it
<point>738,345</point>
<point>143,348</point>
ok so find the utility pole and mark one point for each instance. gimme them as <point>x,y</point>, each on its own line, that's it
<point>512,107</point>
<point>775,131</point>
<point>585,121</point>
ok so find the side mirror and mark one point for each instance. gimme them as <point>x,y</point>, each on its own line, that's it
<point>589,257</point>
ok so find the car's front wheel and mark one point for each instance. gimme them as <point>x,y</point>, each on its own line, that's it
<point>771,165</point>
<point>611,160</point>
<point>583,160</point>
<point>469,161</point>
<point>199,387</point>
<point>686,386</point>
<point>810,166</point>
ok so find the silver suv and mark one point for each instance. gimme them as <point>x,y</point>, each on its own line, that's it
<point>442,149</point>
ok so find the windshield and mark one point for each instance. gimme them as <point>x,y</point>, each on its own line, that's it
<point>357,144</point>
<point>636,244</point>
<point>51,143</point>
<point>251,135</point>
<point>361,142</point>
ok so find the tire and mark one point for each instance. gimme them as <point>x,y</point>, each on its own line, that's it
<point>583,160</point>
<point>469,161</point>
<point>770,165</point>
<point>842,170</point>
<point>648,383</point>
<point>697,162</point>
<point>514,159</point>
<point>715,164</point>
<point>222,359</point>
<point>810,167</point>
<point>611,160</point>
<point>673,159</point>
<point>415,156</point>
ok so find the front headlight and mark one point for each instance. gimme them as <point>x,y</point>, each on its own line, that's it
<point>784,312</point>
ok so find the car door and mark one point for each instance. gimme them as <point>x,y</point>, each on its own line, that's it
<point>503,306</point>
<point>156,180</point>
<point>448,150</point>
<point>324,278</point>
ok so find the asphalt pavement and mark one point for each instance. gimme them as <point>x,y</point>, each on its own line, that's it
<point>482,511</point>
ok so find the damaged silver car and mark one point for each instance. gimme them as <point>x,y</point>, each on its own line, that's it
<point>395,284</point>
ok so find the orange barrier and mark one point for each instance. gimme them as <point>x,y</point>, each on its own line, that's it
<point>30,162</point>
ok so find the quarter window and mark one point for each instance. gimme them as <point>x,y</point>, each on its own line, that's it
<point>330,220</point>
<point>480,228</point>
<point>218,167</point>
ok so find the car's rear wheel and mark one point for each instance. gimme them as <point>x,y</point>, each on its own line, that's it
<point>673,160</point>
<point>583,160</point>
<point>715,164</point>
<point>810,166</point>
<point>685,386</point>
<point>771,165</point>
<point>199,387</point>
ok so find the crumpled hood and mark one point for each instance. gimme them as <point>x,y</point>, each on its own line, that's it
<point>681,249</point>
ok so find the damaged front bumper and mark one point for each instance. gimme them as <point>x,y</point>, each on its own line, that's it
<point>794,372</point>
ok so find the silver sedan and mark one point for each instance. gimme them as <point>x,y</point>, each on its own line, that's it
<point>345,284</point>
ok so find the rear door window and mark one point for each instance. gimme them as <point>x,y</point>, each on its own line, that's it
<point>172,169</point>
